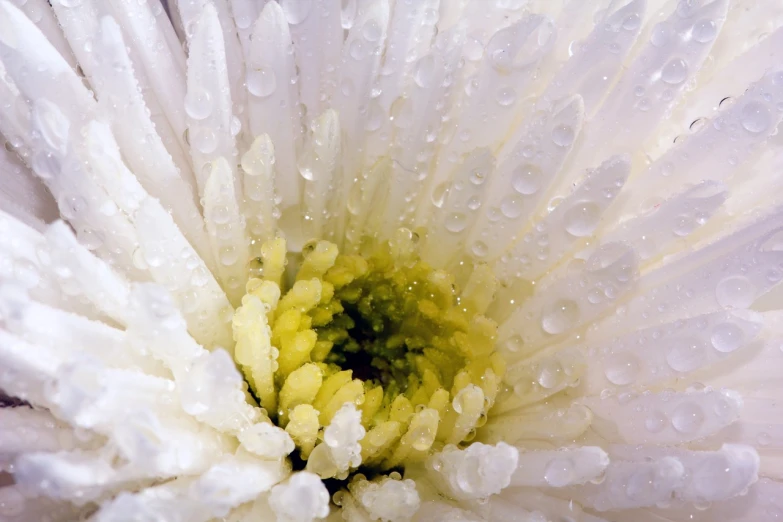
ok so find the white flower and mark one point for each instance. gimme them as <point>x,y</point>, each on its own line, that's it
<point>429,260</point>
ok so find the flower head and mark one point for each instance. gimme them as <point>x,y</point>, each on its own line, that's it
<point>390,260</point>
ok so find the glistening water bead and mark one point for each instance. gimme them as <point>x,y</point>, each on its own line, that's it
<point>378,355</point>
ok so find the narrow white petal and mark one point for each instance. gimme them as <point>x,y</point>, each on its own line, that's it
<point>461,199</point>
<point>208,103</point>
<point>273,105</point>
<point>260,205</point>
<point>661,355</point>
<point>163,176</point>
<point>361,62</point>
<point>527,165</point>
<point>597,59</point>
<point>324,214</point>
<point>150,47</point>
<point>559,468</point>
<point>226,229</point>
<point>317,33</point>
<point>664,417</point>
<point>571,223</point>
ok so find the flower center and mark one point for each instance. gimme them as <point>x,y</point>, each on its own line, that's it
<point>369,360</point>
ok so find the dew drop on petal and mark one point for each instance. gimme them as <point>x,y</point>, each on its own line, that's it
<point>198,103</point>
<point>560,316</point>
<point>755,117</point>
<point>704,30</point>
<point>423,72</point>
<point>563,135</point>
<point>687,417</point>
<point>296,11</point>
<point>505,96</point>
<point>675,71</point>
<point>727,337</point>
<point>661,35</point>
<point>632,22</point>
<point>581,219</point>
<point>371,31</point>
<point>559,472</point>
<point>656,421</point>
<point>456,222</point>
<point>550,374</point>
<point>526,179</point>
<point>439,194</point>
<point>514,343</point>
<point>479,249</point>
<point>685,355</point>
<point>684,225</point>
<point>71,205</point>
<point>261,82</point>
<point>622,369</point>
<point>511,206</point>
<point>735,292</point>
<point>204,140</point>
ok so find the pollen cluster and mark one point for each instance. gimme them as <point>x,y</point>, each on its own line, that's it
<point>370,360</point>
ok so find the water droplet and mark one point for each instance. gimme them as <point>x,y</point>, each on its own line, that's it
<point>474,203</point>
<point>560,316</point>
<point>514,343</point>
<point>656,421</point>
<point>401,112</point>
<point>456,222</point>
<point>439,194</point>
<point>684,225</point>
<point>220,215</point>
<point>685,355</point>
<point>581,219</point>
<point>675,71</point>
<point>661,35</point>
<point>511,206</point>
<point>687,8</point>
<point>526,179</point>
<point>228,256</point>
<point>735,292</point>
<point>755,117</point>
<point>203,139</point>
<point>477,177</point>
<point>374,117</point>
<point>358,50</point>
<point>563,135</point>
<point>641,484</point>
<point>559,472</point>
<point>423,72</point>
<point>505,96</point>
<point>687,417</point>
<point>71,206</point>
<point>550,374</point>
<point>235,126</point>
<point>198,103</point>
<point>371,31</point>
<point>479,249</point>
<point>704,31</point>
<point>261,82</point>
<point>727,337</point>
<point>296,11</point>
<point>622,369</point>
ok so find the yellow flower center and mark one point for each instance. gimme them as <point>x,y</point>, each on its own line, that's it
<point>381,330</point>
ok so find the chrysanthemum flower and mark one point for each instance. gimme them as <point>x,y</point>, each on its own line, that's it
<point>429,260</point>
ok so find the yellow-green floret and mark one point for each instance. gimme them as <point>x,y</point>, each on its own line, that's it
<point>384,332</point>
